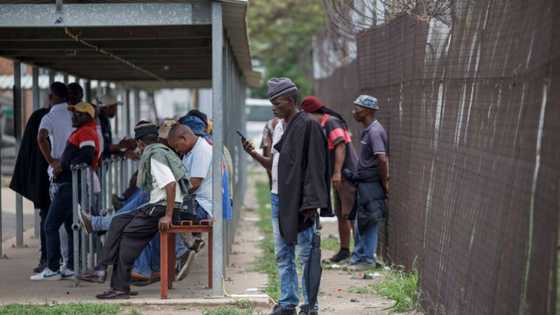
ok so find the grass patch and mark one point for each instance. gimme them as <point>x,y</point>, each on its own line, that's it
<point>401,287</point>
<point>60,309</point>
<point>330,243</point>
<point>266,262</point>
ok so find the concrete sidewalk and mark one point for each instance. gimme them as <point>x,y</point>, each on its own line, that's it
<point>240,282</point>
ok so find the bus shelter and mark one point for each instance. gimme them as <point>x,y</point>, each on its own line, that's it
<point>142,46</point>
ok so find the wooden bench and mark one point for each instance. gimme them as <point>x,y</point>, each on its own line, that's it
<point>167,252</point>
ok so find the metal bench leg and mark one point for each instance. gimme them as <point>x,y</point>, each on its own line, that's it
<point>210,257</point>
<point>171,258</point>
<point>164,264</point>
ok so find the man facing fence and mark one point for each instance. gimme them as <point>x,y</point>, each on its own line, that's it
<point>372,180</point>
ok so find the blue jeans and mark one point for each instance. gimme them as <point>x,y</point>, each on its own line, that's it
<point>60,212</point>
<point>148,261</point>
<point>366,244</point>
<point>285,259</point>
<point>102,223</point>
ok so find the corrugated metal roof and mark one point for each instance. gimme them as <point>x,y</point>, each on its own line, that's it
<point>156,55</point>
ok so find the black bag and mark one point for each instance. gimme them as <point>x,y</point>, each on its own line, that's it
<point>187,210</point>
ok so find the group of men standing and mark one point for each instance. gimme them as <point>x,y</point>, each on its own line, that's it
<point>306,150</point>
<point>62,134</point>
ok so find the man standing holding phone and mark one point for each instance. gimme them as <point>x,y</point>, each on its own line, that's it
<point>299,189</point>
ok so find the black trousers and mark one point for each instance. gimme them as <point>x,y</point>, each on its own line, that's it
<point>128,234</point>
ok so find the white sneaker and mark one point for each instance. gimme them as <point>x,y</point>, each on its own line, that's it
<point>66,273</point>
<point>46,274</point>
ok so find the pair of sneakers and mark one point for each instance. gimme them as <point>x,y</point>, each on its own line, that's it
<point>48,274</point>
<point>303,310</point>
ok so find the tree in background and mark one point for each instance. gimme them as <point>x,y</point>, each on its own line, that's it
<point>281,34</point>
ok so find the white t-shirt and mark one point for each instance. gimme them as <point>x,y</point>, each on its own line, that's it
<point>198,163</point>
<point>58,123</point>
<point>276,136</point>
<point>161,176</point>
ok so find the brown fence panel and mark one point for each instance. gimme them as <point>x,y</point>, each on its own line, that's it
<point>473,115</point>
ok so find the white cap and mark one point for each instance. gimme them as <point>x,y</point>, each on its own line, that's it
<point>107,100</point>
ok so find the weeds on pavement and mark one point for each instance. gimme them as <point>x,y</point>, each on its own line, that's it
<point>401,287</point>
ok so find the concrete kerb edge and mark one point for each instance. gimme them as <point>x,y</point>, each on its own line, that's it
<point>257,300</point>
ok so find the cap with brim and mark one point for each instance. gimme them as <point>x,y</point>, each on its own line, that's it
<point>367,101</point>
<point>108,100</point>
<point>145,128</point>
<point>165,127</point>
<point>83,107</point>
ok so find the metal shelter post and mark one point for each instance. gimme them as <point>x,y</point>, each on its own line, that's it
<point>51,77</point>
<point>87,91</point>
<point>36,105</point>
<point>17,131</point>
<point>127,109</point>
<point>136,106</point>
<point>217,148</point>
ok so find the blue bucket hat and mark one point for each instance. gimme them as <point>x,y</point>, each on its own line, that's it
<point>367,102</point>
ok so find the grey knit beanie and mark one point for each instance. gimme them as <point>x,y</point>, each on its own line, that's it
<point>280,87</point>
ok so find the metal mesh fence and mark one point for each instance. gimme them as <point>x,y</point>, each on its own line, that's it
<point>472,112</point>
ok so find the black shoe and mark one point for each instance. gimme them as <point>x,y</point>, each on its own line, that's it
<point>40,267</point>
<point>113,295</point>
<point>342,254</point>
<point>97,276</point>
<point>304,310</point>
<point>279,310</point>
<point>197,245</point>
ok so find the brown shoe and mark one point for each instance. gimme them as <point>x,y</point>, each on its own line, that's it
<point>134,276</point>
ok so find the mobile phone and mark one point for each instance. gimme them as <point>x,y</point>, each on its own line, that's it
<point>241,135</point>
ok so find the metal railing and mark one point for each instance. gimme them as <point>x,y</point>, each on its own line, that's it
<point>92,194</point>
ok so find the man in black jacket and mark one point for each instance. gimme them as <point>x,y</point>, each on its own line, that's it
<point>303,189</point>
<point>30,178</point>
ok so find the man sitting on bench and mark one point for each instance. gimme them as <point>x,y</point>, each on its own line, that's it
<point>159,171</point>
